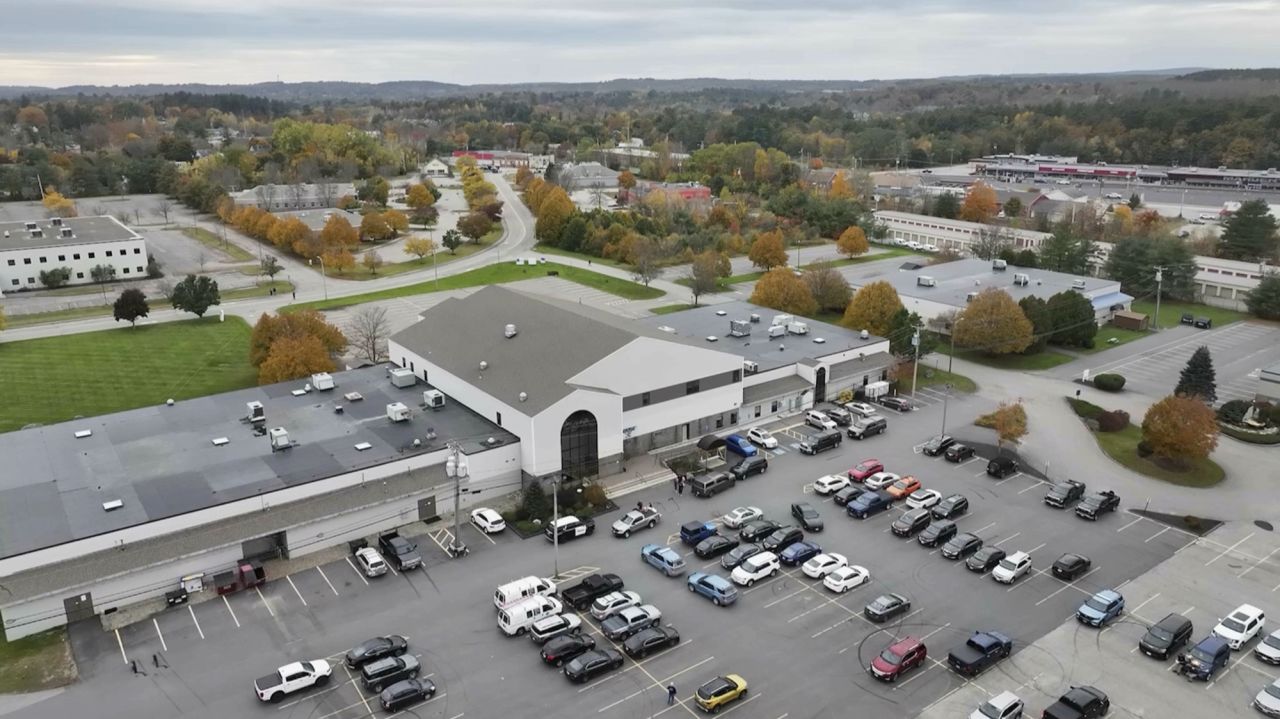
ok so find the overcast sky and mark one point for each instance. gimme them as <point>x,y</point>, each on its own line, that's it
<point>106,42</point>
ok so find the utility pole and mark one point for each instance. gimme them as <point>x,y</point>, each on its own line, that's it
<point>947,395</point>
<point>456,468</point>
<point>555,524</point>
<point>1159,280</point>
<point>915,366</point>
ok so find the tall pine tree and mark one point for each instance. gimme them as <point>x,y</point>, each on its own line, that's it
<point>1198,378</point>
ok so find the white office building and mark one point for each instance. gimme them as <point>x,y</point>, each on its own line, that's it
<point>76,243</point>
<point>939,233</point>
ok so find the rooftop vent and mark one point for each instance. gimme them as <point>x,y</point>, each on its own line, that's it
<point>665,328</point>
<point>56,222</point>
<point>509,331</point>
<point>483,365</point>
<point>279,438</point>
<point>971,297</point>
<point>721,313</point>
<point>524,396</point>
<point>81,434</point>
<point>68,232</point>
<point>864,334</point>
<point>31,226</point>
<point>755,317</point>
<point>819,341</point>
<point>112,505</point>
<point>37,234</point>
<point>712,338</point>
<point>220,441</point>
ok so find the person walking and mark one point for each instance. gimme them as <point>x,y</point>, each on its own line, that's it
<point>680,486</point>
<point>671,694</point>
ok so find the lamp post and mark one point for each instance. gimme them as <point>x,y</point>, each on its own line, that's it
<point>947,395</point>
<point>1155,322</point>
<point>456,468</point>
<point>555,524</point>
<point>915,366</point>
<point>324,280</point>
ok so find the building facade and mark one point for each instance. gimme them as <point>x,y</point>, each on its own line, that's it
<point>78,244</point>
<point>940,233</point>
<point>302,196</point>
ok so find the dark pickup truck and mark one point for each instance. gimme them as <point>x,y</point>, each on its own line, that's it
<point>581,595</point>
<point>1063,493</point>
<point>981,651</point>
<point>400,551</point>
<point>1079,703</point>
<point>1097,504</point>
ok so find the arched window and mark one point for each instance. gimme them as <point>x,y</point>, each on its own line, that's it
<point>579,446</point>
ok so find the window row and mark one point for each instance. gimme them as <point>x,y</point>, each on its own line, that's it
<point>80,275</point>
<point>76,256</point>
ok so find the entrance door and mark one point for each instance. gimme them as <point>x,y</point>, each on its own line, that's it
<point>271,546</point>
<point>427,509</point>
<point>78,607</point>
<point>820,386</point>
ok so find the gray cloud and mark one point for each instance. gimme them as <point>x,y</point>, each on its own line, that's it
<point>61,42</point>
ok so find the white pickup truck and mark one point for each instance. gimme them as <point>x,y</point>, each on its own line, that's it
<point>291,678</point>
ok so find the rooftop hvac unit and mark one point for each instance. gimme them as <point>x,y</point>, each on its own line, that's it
<point>403,377</point>
<point>322,381</point>
<point>755,317</point>
<point>1077,284</point>
<point>257,413</point>
<point>925,281</point>
<point>112,505</point>
<point>712,338</point>
<point>749,367</point>
<point>971,297</point>
<point>999,265</point>
<point>721,313</point>
<point>1021,279</point>
<point>433,399</point>
<point>782,319</point>
<point>798,328</point>
<point>398,412</point>
<point>864,335</point>
<point>509,331</point>
<point>37,234</point>
<point>777,331</point>
<point>68,232</point>
<point>739,328</point>
<point>279,438</point>
<point>31,226</point>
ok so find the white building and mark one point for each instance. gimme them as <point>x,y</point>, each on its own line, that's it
<point>76,243</point>
<point>583,389</point>
<point>435,167</point>
<point>299,196</point>
<point>941,233</point>
<point>1219,282</point>
<point>105,512</point>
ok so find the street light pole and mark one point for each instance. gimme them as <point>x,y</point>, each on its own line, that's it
<point>324,280</point>
<point>947,395</point>
<point>915,366</point>
<point>456,468</point>
<point>1155,322</point>
<point>555,524</point>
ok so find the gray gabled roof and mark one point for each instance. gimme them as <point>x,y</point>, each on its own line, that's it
<point>554,341</point>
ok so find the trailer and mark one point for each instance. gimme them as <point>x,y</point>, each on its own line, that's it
<point>248,573</point>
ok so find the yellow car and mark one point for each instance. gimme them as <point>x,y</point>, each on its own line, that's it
<point>718,692</point>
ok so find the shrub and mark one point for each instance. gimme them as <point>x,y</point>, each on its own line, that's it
<point>595,496</point>
<point>1089,344</point>
<point>1192,522</point>
<point>1233,411</point>
<point>1109,382</point>
<point>535,503</point>
<point>1269,436</point>
<point>1113,421</point>
<point>1088,410</point>
<point>1144,449</point>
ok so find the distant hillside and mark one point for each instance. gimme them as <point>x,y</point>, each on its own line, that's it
<point>1261,73</point>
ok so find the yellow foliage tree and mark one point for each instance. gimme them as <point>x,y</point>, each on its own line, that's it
<point>783,291</point>
<point>767,250</point>
<point>3,322</point>
<point>289,233</point>
<point>338,233</point>
<point>420,246</point>
<point>305,323</point>
<point>419,197</point>
<point>294,358</point>
<point>993,323</point>
<point>1180,429</point>
<point>554,213</point>
<point>980,203</point>
<point>339,260</point>
<point>57,205</point>
<point>840,188</point>
<point>872,308</point>
<point>853,241</point>
<point>397,220</point>
<point>1122,216</point>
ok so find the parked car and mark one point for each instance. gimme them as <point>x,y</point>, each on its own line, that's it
<point>1001,467</point>
<point>563,649</point>
<point>710,485</point>
<point>757,530</point>
<point>901,404</point>
<point>818,420</point>
<point>1204,323</point>
<point>387,671</point>
<point>1097,504</point>
<point>924,498</point>
<point>693,532</point>
<point>738,444</point>
<point>758,464</point>
<point>402,553</point>
<point>886,607</point>
<point>980,651</point>
<point>663,558</point>
<point>720,692</point>
<point>911,522</point>
<point>985,559</point>
<point>756,567</point>
<point>880,480</point>
<point>392,645</point>
<point>937,533</point>
<point>1166,637</point>
<point>487,520</point>
<point>654,639</point>
<point>370,562</point>
<point>569,527</point>
<point>867,427</point>
<point>799,553</point>
<point>1005,705</point>
<point>903,488</point>
<point>897,659</point>
<point>1205,659</point>
<point>841,417</point>
<point>741,515</point>
<point>1187,319</point>
<point>1268,650</point>
<point>830,484</point>
<point>1070,566</point>
<point>581,595</point>
<point>824,564</point>
<point>951,507</point>
<point>591,664</point>
<point>719,590</point>
<point>762,437</point>
<point>938,444</point>
<point>735,556</point>
<point>1268,700</point>
<point>848,494</point>
<point>612,603</point>
<point>1082,702</point>
<point>961,546</point>
<point>864,469</point>
<point>556,625</point>
<point>406,693</point>
<point>1064,493</point>
<point>862,409</point>
<point>1241,626</point>
<point>629,621</point>
<point>808,517</point>
<point>1101,608</point>
<point>640,518</point>
<point>842,579</point>
<point>1012,567</point>
<point>959,453</point>
<point>782,538</point>
<point>292,678</point>
<point>714,546</point>
<point>869,504</point>
<point>821,442</point>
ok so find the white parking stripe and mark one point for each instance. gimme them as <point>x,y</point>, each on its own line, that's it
<point>326,581</point>
<point>1071,585</point>
<point>264,601</point>
<point>229,609</point>
<point>197,621</point>
<point>1130,524</point>
<point>160,634</point>
<point>1157,534</point>
<point>120,642</point>
<point>1228,549</point>
<point>357,571</point>
<point>1251,567</point>
<point>295,589</point>
<point>1011,536</point>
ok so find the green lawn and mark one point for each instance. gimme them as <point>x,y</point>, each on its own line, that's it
<point>1106,333</point>
<point>40,318</point>
<point>886,254</point>
<point>931,377</point>
<point>668,309</point>
<point>41,661</point>
<point>443,257</point>
<point>1122,447</point>
<point>549,250</point>
<point>1171,312</point>
<point>494,275</point>
<point>262,290</point>
<point>215,243</point>
<point>54,379</point>
<point>1042,360</point>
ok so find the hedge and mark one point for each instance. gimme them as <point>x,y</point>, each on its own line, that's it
<point>1113,421</point>
<point>1109,382</point>
<point>1249,436</point>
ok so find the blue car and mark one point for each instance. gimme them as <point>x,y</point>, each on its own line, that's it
<point>693,532</point>
<point>738,444</point>
<point>1101,608</point>
<point>719,590</point>
<point>869,504</point>
<point>799,553</point>
<point>663,558</point>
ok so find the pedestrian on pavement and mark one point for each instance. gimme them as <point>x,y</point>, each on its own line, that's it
<point>680,487</point>
<point>295,294</point>
<point>671,694</point>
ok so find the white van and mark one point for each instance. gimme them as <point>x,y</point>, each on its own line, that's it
<point>523,588</point>
<point>516,619</point>
<point>816,419</point>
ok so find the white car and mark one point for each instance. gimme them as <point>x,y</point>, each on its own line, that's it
<point>824,564</point>
<point>846,578</point>
<point>924,498</point>
<point>612,603</point>
<point>880,480</point>
<point>1241,626</point>
<point>548,628</point>
<point>1011,567</point>
<point>831,484</point>
<point>756,567</point>
<point>862,409</point>
<point>1005,705</point>
<point>370,562</point>
<point>1207,216</point>
<point>762,437</point>
<point>1114,196</point>
<point>1063,181</point>
<point>741,515</point>
<point>1268,650</point>
<point>488,521</point>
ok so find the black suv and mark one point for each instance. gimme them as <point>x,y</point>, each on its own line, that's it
<point>565,647</point>
<point>958,452</point>
<point>388,671</point>
<point>1069,566</point>
<point>1097,504</point>
<point>901,404</point>
<point>951,507</point>
<point>639,645</point>
<point>758,530</point>
<point>1166,636</point>
<point>1002,467</point>
<point>908,523</point>
<point>937,533</point>
<point>938,444</point>
<point>807,516</point>
<point>781,539</point>
<point>848,494</point>
<point>758,464</point>
<point>1063,493</point>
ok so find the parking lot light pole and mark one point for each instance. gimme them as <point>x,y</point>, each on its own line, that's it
<point>1155,321</point>
<point>324,280</point>
<point>456,468</point>
<point>915,366</point>
<point>555,528</point>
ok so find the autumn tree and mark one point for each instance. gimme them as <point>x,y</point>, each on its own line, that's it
<point>338,233</point>
<point>1198,378</point>
<point>853,241</point>
<point>3,322</point>
<point>338,260</point>
<point>646,260</point>
<point>452,240</point>
<point>475,225</point>
<point>371,261</point>
<point>1180,429</point>
<point>374,227</point>
<point>992,323</point>
<point>290,234</point>
<point>703,275</point>
<point>783,291</point>
<point>57,205</point>
<point>840,189</point>
<point>829,289</point>
<point>397,221</point>
<point>980,203</point>
<point>129,306</point>
<point>1009,420</point>
<point>195,294</point>
<point>375,189</point>
<point>420,246</point>
<point>294,358</point>
<point>872,308</point>
<point>419,197</point>
<point>626,180</point>
<point>768,251</point>
<point>553,215</point>
<point>304,323</point>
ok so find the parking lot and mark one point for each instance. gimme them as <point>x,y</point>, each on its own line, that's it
<point>802,649</point>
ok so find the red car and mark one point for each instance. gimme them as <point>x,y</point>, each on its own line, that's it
<point>866,468</point>
<point>897,658</point>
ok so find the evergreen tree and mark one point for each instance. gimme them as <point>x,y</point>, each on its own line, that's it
<point>1198,378</point>
<point>902,327</point>
<point>1074,322</point>
<point>1037,310</point>
<point>1264,300</point>
<point>1250,233</point>
<point>947,205</point>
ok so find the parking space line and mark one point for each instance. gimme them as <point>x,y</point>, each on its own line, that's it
<point>363,699</point>
<point>231,611</point>
<point>637,664</point>
<point>357,571</point>
<point>1071,585</point>
<point>482,533</point>
<point>801,590</point>
<point>1229,549</point>
<point>1130,524</point>
<point>197,621</point>
<point>120,642</point>
<point>1038,548</point>
<point>295,589</point>
<point>264,601</point>
<point>326,580</point>
<point>980,531</point>
<point>1253,566</point>
<point>1015,475</point>
<point>1011,536</point>
<point>160,634</point>
<point>1157,534</point>
<point>1028,489</point>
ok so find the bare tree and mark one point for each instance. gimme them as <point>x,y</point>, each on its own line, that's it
<point>645,260</point>
<point>368,332</point>
<point>266,193</point>
<point>990,241</point>
<point>165,288</point>
<point>201,259</point>
<point>163,207</point>
<point>326,191</point>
